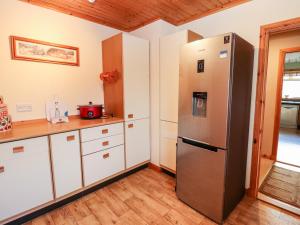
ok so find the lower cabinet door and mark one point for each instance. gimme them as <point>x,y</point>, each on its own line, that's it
<point>103,164</point>
<point>137,142</point>
<point>168,140</point>
<point>25,176</point>
<point>66,160</point>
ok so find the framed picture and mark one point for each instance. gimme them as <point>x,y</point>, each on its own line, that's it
<point>41,51</point>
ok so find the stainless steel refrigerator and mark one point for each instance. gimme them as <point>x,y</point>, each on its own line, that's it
<point>213,124</point>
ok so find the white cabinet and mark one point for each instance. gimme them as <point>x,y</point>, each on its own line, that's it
<point>102,144</point>
<point>168,140</point>
<point>136,77</point>
<point>137,142</point>
<point>103,164</point>
<point>128,97</point>
<point>25,176</point>
<point>66,161</point>
<point>289,116</point>
<point>94,133</point>
<point>169,50</point>
<point>104,156</point>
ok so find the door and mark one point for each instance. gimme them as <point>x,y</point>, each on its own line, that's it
<point>137,142</point>
<point>200,178</point>
<point>66,160</point>
<point>168,141</point>
<point>25,176</point>
<point>136,77</point>
<point>204,90</point>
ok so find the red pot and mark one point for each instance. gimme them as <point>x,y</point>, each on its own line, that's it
<point>90,111</point>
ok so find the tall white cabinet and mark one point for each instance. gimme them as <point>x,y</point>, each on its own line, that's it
<point>128,96</point>
<point>169,83</point>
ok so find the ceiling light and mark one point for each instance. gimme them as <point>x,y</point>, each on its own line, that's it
<point>92,1</point>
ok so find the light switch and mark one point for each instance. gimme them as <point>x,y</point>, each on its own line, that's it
<point>24,107</point>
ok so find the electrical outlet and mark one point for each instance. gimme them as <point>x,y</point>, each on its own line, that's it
<point>24,107</point>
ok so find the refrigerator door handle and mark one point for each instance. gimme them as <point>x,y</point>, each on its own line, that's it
<point>203,145</point>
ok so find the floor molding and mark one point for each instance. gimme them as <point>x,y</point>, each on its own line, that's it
<point>154,167</point>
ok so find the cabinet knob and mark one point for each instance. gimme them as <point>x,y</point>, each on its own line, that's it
<point>18,149</point>
<point>1,169</point>
<point>71,138</point>
<point>105,143</point>
<point>105,131</point>
<point>106,155</point>
<point>130,125</point>
<point>130,116</point>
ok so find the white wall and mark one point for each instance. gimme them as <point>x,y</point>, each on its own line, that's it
<point>35,83</point>
<point>244,20</point>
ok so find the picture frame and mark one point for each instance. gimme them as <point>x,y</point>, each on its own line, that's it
<point>41,51</point>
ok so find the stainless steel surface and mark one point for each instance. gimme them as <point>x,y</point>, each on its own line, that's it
<point>214,115</point>
<point>201,174</point>
<point>214,80</point>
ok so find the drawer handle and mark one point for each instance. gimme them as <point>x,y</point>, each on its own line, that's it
<point>18,149</point>
<point>106,155</point>
<point>105,131</point>
<point>130,125</point>
<point>130,116</point>
<point>105,143</point>
<point>71,138</point>
<point>1,169</point>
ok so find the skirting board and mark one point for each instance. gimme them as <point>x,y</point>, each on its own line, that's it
<point>72,198</point>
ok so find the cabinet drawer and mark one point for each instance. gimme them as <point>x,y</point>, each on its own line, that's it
<point>66,161</point>
<point>25,180</point>
<point>23,148</point>
<point>101,144</point>
<point>100,165</point>
<point>94,133</point>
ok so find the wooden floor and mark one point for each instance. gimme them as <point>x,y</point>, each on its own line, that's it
<point>148,197</point>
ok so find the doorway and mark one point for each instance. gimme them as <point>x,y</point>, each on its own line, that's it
<point>286,145</point>
<point>279,174</point>
<point>265,32</point>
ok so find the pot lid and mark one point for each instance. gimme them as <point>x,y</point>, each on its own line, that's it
<point>90,105</point>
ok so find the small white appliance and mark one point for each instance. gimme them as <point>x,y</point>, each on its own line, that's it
<point>56,111</point>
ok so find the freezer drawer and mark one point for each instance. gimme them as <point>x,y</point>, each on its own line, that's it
<point>200,178</point>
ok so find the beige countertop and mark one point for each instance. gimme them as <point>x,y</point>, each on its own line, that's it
<point>37,128</point>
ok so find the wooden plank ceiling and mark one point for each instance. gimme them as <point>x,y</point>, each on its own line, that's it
<point>128,15</point>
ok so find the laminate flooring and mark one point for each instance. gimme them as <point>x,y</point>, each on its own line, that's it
<point>148,198</point>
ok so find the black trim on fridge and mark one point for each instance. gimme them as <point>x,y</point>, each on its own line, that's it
<point>200,144</point>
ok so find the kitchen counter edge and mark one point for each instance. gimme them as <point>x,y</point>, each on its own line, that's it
<point>38,128</point>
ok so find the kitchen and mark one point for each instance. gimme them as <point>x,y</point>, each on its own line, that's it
<point>135,95</point>
<point>290,112</point>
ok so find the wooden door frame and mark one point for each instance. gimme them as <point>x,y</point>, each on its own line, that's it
<point>280,74</point>
<point>265,32</point>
